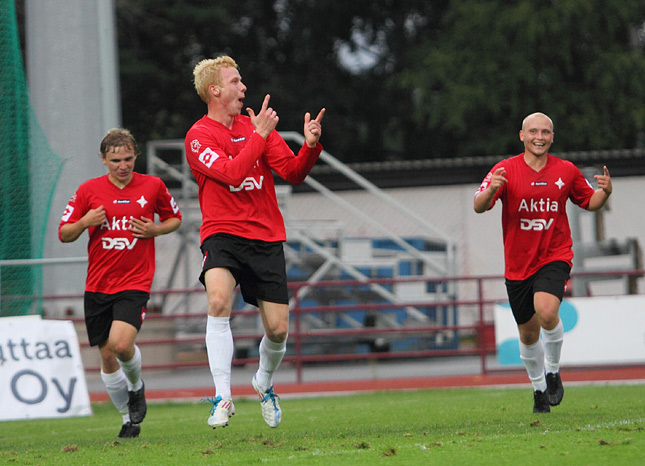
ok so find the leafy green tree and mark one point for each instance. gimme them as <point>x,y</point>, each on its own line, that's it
<point>290,49</point>
<point>400,79</point>
<point>579,61</point>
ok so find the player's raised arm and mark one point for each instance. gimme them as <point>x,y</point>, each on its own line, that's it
<point>600,196</point>
<point>484,199</point>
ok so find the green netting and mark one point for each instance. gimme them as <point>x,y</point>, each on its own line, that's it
<point>29,171</point>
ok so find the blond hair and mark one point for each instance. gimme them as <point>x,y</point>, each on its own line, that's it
<point>117,137</point>
<point>207,73</point>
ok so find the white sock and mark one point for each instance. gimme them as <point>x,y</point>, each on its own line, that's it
<point>117,388</point>
<point>271,355</point>
<point>132,370</point>
<point>533,359</point>
<point>553,347</point>
<point>219,346</point>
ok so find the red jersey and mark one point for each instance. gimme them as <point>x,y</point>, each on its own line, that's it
<point>534,217</point>
<point>117,260</point>
<point>233,168</point>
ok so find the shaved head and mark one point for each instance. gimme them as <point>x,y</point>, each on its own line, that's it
<point>534,115</point>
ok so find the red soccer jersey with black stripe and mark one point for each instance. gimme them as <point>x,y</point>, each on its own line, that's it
<point>534,218</point>
<point>117,260</point>
<point>233,168</point>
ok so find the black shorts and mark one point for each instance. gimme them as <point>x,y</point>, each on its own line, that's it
<point>102,309</point>
<point>257,266</point>
<point>552,279</point>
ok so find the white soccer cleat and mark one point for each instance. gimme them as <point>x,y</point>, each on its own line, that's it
<point>220,412</point>
<point>270,403</point>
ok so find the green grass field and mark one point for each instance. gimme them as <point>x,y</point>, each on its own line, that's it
<point>470,426</point>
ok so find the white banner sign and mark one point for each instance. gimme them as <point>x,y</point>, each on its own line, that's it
<point>41,371</point>
<point>597,330</point>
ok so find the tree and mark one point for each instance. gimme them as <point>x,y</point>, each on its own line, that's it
<point>400,79</point>
<point>578,61</point>
<point>289,49</point>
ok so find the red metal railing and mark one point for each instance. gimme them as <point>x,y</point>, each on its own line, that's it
<point>479,331</point>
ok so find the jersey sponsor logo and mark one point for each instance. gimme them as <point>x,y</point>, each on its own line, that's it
<point>248,184</point>
<point>174,206</point>
<point>243,138</point>
<point>118,243</point>
<point>69,210</point>
<point>121,201</point>
<point>117,223</point>
<point>208,156</point>
<point>535,224</point>
<point>540,183</point>
<point>538,205</point>
<point>486,181</point>
<point>195,145</point>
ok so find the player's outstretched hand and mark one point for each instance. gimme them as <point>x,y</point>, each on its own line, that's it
<point>498,179</point>
<point>313,128</point>
<point>604,180</point>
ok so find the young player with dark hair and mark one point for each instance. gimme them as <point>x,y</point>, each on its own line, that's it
<point>118,212</point>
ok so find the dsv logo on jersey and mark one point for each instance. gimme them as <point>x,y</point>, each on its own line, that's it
<point>248,184</point>
<point>536,224</point>
<point>118,243</point>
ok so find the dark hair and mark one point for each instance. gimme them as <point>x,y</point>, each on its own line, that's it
<point>117,137</point>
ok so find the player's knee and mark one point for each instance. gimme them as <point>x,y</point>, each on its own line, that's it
<point>278,334</point>
<point>218,305</point>
<point>549,320</point>
<point>109,363</point>
<point>529,338</point>
<point>122,349</point>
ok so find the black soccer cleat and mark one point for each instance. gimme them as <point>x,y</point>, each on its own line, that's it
<point>137,405</point>
<point>540,402</point>
<point>129,430</point>
<point>554,388</point>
